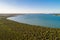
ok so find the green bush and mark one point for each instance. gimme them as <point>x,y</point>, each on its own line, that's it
<point>10,30</point>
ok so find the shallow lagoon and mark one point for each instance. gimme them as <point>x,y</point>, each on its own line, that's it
<point>47,20</point>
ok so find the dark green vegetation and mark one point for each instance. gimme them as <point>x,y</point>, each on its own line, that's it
<point>10,30</point>
<point>56,14</point>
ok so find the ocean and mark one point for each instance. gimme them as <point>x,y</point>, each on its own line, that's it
<point>46,20</point>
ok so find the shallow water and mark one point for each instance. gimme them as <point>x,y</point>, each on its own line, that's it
<point>47,20</point>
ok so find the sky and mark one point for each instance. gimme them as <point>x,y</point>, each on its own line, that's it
<point>29,6</point>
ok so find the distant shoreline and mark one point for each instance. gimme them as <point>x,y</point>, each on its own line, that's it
<point>56,14</point>
<point>4,16</point>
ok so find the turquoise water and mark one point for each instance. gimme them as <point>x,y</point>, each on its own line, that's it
<point>47,20</point>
